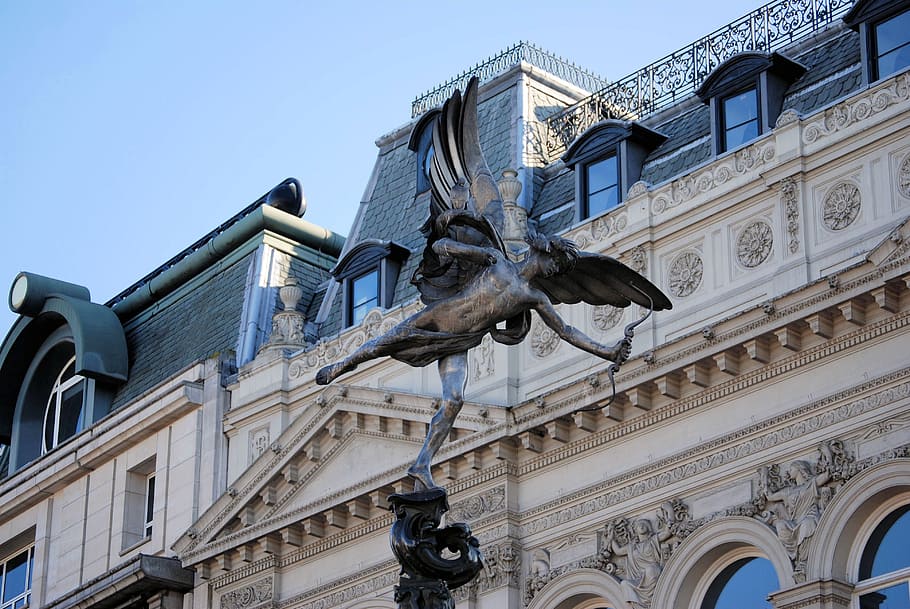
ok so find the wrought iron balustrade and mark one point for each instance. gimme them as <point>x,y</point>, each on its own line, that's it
<point>679,74</point>
<point>499,63</point>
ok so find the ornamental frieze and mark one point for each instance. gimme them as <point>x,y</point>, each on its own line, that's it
<point>789,498</point>
<point>248,596</point>
<point>488,502</point>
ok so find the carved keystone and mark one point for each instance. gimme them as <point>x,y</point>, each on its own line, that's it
<point>293,535</point>
<point>291,473</point>
<point>759,349</point>
<point>789,337</point>
<point>727,361</point>
<point>854,311</point>
<point>559,430</point>
<point>359,508</point>
<point>822,324</point>
<point>699,374</point>
<point>531,441</point>
<point>668,385</point>
<point>314,526</point>
<point>337,517</point>
<point>639,397</point>
<point>585,421</point>
<point>888,297</point>
<point>380,498</point>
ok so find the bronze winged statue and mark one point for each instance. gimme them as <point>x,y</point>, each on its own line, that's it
<point>470,285</point>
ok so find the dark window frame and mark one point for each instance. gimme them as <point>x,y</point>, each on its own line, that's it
<point>723,128</point>
<point>769,74</point>
<point>629,142</point>
<point>371,255</point>
<point>865,17</point>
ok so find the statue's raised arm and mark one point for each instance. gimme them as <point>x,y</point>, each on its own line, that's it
<point>469,283</point>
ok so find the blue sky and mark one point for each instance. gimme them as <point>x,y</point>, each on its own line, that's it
<point>129,129</point>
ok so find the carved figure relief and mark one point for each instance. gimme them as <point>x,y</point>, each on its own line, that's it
<point>501,566</point>
<point>538,573</point>
<point>792,503</point>
<point>544,340</point>
<point>482,361</point>
<point>638,260</point>
<point>259,442</point>
<point>788,194</point>
<point>685,274</point>
<point>841,206</point>
<point>636,552</point>
<point>903,177</point>
<point>606,317</point>
<point>753,246</point>
<point>249,596</point>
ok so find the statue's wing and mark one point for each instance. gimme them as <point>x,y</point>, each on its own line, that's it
<point>465,204</point>
<point>457,157</point>
<point>601,280</point>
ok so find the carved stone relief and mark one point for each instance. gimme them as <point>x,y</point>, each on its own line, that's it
<point>637,260</point>
<point>248,596</point>
<point>792,503</point>
<point>636,551</point>
<point>482,362</point>
<point>685,274</point>
<point>544,340</point>
<point>606,317</point>
<point>753,246</point>
<point>259,442</point>
<point>788,196</point>
<point>841,206</point>
<point>502,567</point>
<point>903,177</point>
<point>472,508</point>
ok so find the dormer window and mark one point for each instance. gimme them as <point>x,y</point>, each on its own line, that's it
<point>63,417</point>
<point>421,142</point>
<point>368,274</point>
<point>884,31</point>
<point>364,295</point>
<point>607,159</point>
<point>746,95</point>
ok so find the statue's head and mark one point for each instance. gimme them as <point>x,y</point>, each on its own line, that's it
<point>561,252</point>
<point>800,470</point>
<point>642,527</point>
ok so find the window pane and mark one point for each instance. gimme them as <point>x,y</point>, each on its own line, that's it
<point>894,61</point>
<point>893,33</point>
<point>365,288</point>
<point>887,548</point>
<point>603,200</point>
<point>740,134</point>
<point>895,597</point>
<point>745,584</point>
<point>428,160</point>
<point>50,420</point>
<point>16,576</point>
<point>602,174</point>
<point>741,108</point>
<point>150,499</point>
<point>70,412</point>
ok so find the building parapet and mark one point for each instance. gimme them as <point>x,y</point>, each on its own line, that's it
<point>677,75</point>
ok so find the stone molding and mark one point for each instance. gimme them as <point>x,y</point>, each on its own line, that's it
<point>857,109</point>
<point>686,188</point>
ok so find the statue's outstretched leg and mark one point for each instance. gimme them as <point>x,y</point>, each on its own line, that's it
<point>453,372</point>
<point>387,344</point>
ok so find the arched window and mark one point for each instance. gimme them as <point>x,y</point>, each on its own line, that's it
<point>884,569</point>
<point>63,417</point>
<point>746,582</point>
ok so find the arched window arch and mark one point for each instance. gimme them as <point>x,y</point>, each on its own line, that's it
<point>421,142</point>
<point>884,568</point>
<point>744,582</point>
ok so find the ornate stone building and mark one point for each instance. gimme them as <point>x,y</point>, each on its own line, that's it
<point>760,432</point>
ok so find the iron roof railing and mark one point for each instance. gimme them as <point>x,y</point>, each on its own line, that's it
<point>499,63</point>
<point>668,80</point>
